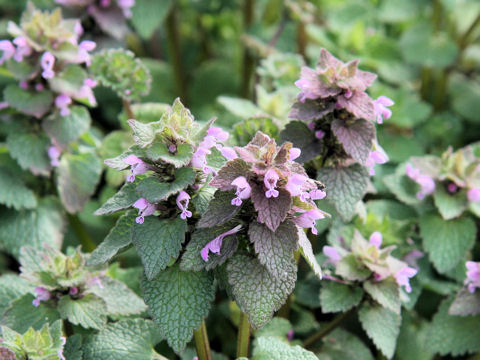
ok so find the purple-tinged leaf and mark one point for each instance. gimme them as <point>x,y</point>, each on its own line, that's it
<point>360,105</point>
<point>219,210</point>
<point>356,138</point>
<point>465,303</point>
<point>311,110</point>
<point>271,211</point>
<point>229,172</point>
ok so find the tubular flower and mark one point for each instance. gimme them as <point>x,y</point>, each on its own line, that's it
<point>332,254</point>
<point>243,190</point>
<point>144,209</point>
<point>376,239</point>
<point>54,155</point>
<point>270,181</point>
<point>215,245</point>
<point>403,275</point>
<point>61,102</point>
<point>375,157</point>
<point>294,185</point>
<point>317,194</point>
<point>42,295</point>
<point>381,110</point>
<point>474,195</point>
<point>473,275</point>
<point>294,153</point>
<point>427,184</point>
<point>23,49</point>
<point>182,202</point>
<point>308,219</point>
<point>47,62</point>
<point>137,167</point>
<point>83,51</point>
<point>8,50</point>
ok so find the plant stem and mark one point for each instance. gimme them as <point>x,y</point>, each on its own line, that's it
<point>327,329</point>
<point>280,28</point>
<point>243,338</point>
<point>302,40</point>
<point>201,343</point>
<point>128,109</point>
<point>463,42</point>
<point>87,243</point>
<point>248,61</point>
<point>175,53</point>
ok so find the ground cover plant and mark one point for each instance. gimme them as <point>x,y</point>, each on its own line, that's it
<point>239,179</point>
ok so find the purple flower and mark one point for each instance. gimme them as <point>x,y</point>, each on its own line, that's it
<point>8,50</point>
<point>73,291</point>
<point>294,185</point>
<point>375,157</point>
<point>60,351</point>
<point>412,257</point>
<point>42,295</point>
<point>308,219</point>
<point>47,62</point>
<point>39,87</point>
<point>182,202</point>
<point>215,245</point>
<point>23,49</point>
<point>452,188</point>
<point>376,239</point>
<point>403,275</point>
<point>319,134</point>
<point>228,152</point>
<point>294,153</point>
<point>332,254</point>
<point>144,209</point>
<point>427,184</point>
<point>290,334</point>
<point>95,280</point>
<point>473,275</point>
<point>83,48</point>
<point>381,110</point>
<point>3,105</point>
<point>317,194</point>
<point>54,155</point>
<point>270,181</point>
<point>126,6</point>
<point>218,133</point>
<point>137,167</point>
<point>243,190</point>
<point>474,195</point>
<point>61,102</point>
<point>23,84</point>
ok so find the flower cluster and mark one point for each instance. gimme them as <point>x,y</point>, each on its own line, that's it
<point>455,172</point>
<point>473,276</point>
<point>277,186</point>
<point>45,55</point>
<point>334,104</point>
<point>370,261</point>
<point>110,15</point>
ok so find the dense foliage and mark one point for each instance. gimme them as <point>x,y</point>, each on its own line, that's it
<point>267,179</point>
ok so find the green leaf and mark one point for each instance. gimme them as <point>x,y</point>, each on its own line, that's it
<point>123,199</point>
<point>125,339</point>
<point>30,150</point>
<point>412,339</point>
<point>12,287</point>
<point>201,200</point>
<point>307,252</point>
<point>382,326</point>
<point>65,129</point>
<point>404,188</point>
<point>178,302</point>
<point>240,107</point>
<point>336,297</point>
<point>357,138</point>
<point>455,335</point>
<point>351,268</point>
<point>275,248</point>
<point>345,187</point>
<point>385,292</point>
<point>118,239</point>
<point>181,157</point>
<point>158,242</point>
<point>219,210</point>
<point>69,81</point>
<point>465,303</point>
<point>73,348</point>
<point>341,345</point>
<point>35,227</point>
<point>77,178</point>
<point>464,93</point>
<point>272,348</point>
<point>120,300</point>
<point>271,211</point>
<point>191,258</point>
<point>34,103</point>
<point>154,190</point>
<point>147,16</point>
<point>13,192</point>
<point>22,315</point>
<point>256,291</point>
<point>302,137</point>
<point>450,206</point>
<point>246,130</point>
<point>88,311</point>
<point>446,242</point>
<point>278,327</point>
<point>121,71</point>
